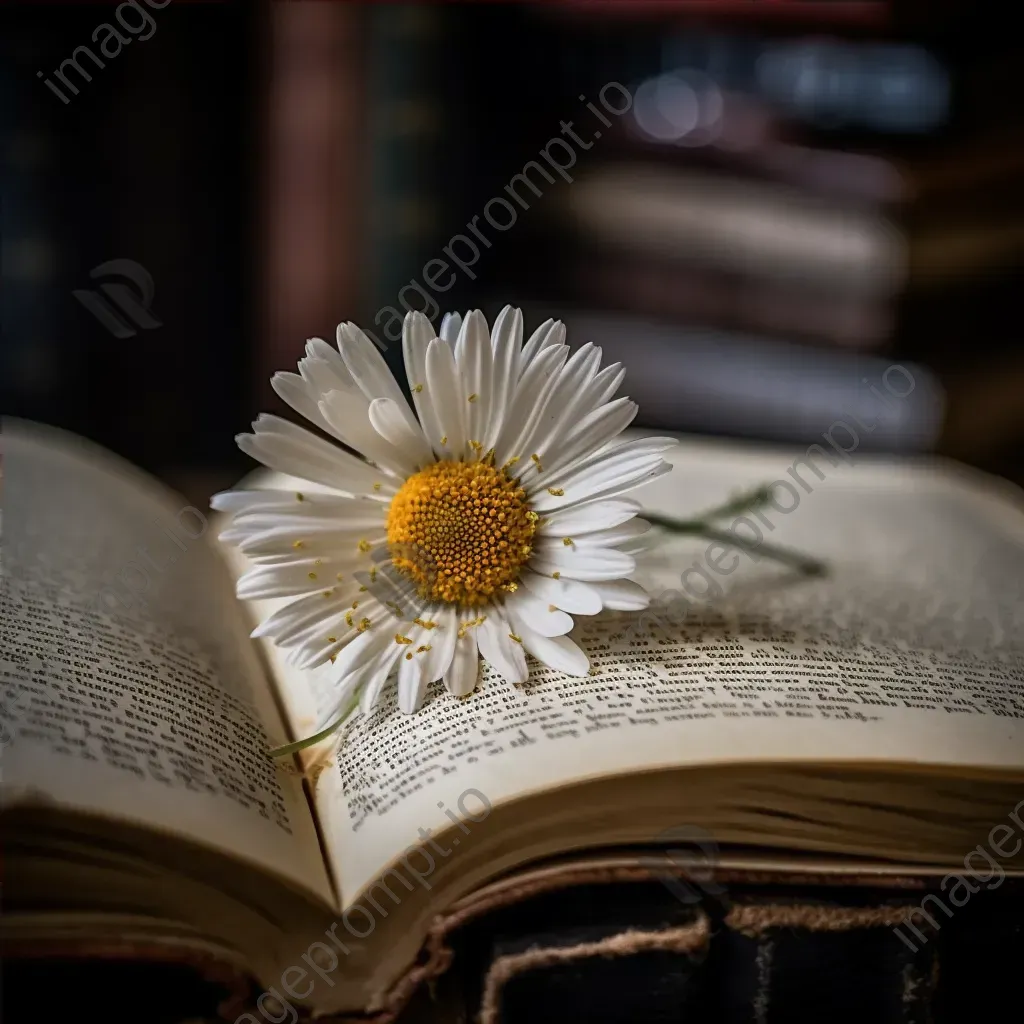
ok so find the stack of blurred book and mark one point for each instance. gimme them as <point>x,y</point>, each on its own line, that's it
<point>777,220</point>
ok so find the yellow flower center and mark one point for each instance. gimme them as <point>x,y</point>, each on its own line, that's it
<point>461,531</point>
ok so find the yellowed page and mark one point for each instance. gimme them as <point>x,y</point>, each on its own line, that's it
<point>130,688</point>
<point>910,650</point>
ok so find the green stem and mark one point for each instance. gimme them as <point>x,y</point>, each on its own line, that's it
<point>294,748</point>
<point>802,563</point>
<point>747,502</point>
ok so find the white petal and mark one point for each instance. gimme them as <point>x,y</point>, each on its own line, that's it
<point>270,581</point>
<point>463,672</point>
<point>348,415</point>
<point>395,591</point>
<point>370,671</point>
<point>525,607</point>
<point>417,334</point>
<point>294,617</point>
<point>499,649</point>
<point>340,515</point>
<point>549,425</point>
<point>343,691</point>
<point>570,595</point>
<point>551,332</point>
<point>383,666</point>
<point>448,400</point>
<point>475,362</point>
<point>391,423</point>
<point>606,383</point>
<point>246,501</point>
<point>248,505</point>
<point>622,595</point>
<point>506,339</point>
<point>437,660</point>
<point>620,454</point>
<point>584,564</point>
<point>451,324</point>
<point>367,645</point>
<point>557,652</point>
<point>331,370</point>
<point>593,516</point>
<point>621,534</point>
<point>336,543</point>
<point>530,402</point>
<point>591,485</point>
<point>297,452</point>
<point>595,430</point>
<point>293,390</point>
<point>369,370</point>
<point>412,686</point>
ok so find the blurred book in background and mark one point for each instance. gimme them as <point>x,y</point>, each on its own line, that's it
<point>782,215</point>
<point>315,147</point>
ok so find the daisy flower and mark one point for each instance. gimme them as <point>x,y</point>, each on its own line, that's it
<point>477,525</point>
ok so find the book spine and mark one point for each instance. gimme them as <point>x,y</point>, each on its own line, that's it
<point>314,180</point>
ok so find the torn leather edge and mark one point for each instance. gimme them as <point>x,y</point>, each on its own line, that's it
<point>436,956</point>
<point>754,919</point>
<point>683,939</point>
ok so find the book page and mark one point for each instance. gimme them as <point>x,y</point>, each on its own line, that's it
<point>129,685</point>
<point>910,650</point>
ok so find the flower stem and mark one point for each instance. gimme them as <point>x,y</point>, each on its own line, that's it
<point>749,501</point>
<point>804,564</point>
<point>309,741</point>
<point>746,502</point>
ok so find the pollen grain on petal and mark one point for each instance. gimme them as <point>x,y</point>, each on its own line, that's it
<point>556,491</point>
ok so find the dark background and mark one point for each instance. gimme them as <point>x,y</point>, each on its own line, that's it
<point>277,168</point>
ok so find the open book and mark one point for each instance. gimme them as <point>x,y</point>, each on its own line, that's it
<point>876,714</point>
